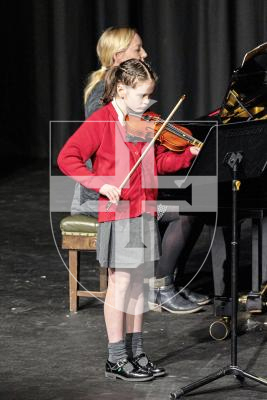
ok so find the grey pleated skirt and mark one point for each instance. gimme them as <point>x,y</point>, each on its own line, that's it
<point>128,243</point>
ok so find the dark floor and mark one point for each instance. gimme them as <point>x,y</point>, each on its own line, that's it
<point>48,354</point>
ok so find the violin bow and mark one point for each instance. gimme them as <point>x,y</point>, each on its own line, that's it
<point>149,146</point>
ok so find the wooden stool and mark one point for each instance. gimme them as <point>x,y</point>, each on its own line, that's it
<point>79,234</point>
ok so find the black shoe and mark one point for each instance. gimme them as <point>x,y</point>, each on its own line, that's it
<point>143,362</point>
<point>197,298</point>
<point>168,299</point>
<point>127,371</point>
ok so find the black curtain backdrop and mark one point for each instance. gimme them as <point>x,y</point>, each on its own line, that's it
<point>194,45</point>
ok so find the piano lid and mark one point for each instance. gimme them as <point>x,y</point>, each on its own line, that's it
<point>246,97</point>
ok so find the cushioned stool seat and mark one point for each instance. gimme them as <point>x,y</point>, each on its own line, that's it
<point>79,234</point>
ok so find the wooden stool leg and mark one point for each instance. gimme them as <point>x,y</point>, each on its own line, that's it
<point>103,278</point>
<point>73,277</point>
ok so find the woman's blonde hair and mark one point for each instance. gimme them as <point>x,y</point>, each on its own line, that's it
<point>112,41</point>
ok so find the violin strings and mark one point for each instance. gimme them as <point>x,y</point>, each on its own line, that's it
<point>178,132</point>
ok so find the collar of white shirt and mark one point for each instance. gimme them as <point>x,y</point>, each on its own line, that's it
<point>119,112</point>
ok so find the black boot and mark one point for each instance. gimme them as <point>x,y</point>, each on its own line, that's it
<point>194,297</point>
<point>163,295</point>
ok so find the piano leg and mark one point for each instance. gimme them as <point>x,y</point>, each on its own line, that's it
<point>256,299</point>
<point>257,252</point>
<point>264,249</point>
<point>219,256</point>
<point>221,259</point>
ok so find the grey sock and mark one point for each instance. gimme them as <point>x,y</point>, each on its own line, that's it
<point>134,344</point>
<point>117,351</point>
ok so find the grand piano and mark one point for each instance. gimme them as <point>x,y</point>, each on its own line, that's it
<point>243,113</point>
<point>246,98</point>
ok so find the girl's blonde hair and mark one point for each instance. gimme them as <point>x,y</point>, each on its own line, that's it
<point>112,41</point>
<point>128,73</point>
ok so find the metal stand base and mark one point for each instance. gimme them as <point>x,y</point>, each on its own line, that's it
<point>231,370</point>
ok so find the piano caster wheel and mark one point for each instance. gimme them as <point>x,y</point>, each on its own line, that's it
<point>220,330</point>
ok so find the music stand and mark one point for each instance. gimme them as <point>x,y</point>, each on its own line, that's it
<point>236,153</point>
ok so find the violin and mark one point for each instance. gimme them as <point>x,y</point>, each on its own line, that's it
<point>174,137</point>
<point>149,130</point>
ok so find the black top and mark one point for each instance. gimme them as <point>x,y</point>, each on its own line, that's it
<point>83,197</point>
<point>93,102</point>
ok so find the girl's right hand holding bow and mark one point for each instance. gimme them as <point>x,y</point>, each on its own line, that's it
<point>111,192</point>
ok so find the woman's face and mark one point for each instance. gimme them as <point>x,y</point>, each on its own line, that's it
<point>134,50</point>
<point>138,99</point>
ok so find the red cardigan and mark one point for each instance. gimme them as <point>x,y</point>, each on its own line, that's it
<point>103,139</point>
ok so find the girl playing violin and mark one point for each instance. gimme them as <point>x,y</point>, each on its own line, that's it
<point>115,45</point>
<point>127,241</point>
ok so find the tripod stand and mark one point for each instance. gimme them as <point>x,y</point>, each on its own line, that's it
<point>232,160</point>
